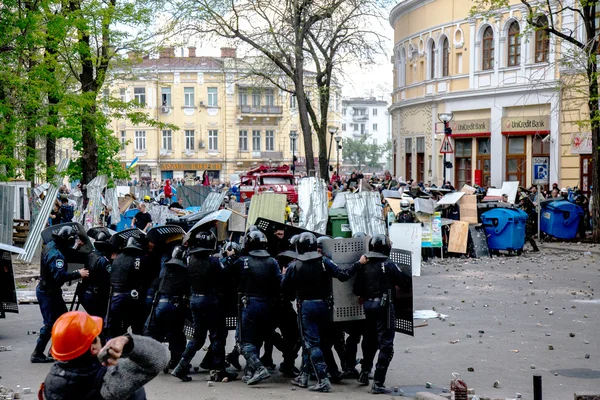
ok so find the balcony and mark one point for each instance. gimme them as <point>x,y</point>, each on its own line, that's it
<point>360,118</point>
<point>260,110</point>
<point>273,155</point>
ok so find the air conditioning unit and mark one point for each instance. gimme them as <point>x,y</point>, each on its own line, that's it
<point>202,145</point>
<point>189,152</point>
<point>201,103</point>
<point>164,109</point>
<point>164,152</point>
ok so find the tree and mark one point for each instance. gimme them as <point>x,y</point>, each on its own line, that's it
<point>364,154</point>
<point>583,55</point>
<point>291,36</point>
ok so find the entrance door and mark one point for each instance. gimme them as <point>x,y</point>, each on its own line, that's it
<point>483,161</point>
<point>462,159</point>
<point>516,159</point>
<point>166,175</point>
<point>586,173</point>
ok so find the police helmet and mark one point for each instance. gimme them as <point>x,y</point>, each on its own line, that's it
<point>133,244</point>
<point>404,205</point>
<point>380,246</point>
<point>294,240</point>
<point>231,246</point>
<point>102,243</point>
<point>321,240</point>
<point>203,241</point>
<point>359,235</point>
<point>253,228</point>
<point>65,237</point>
<point>307,247</point>
<point>177,257</point>
<point>256,244</point>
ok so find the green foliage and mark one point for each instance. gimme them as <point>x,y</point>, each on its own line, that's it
<point>363,153</point>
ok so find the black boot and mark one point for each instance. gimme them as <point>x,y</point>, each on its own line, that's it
<point>38,355</point>
<point>379,388</point>
<point>301,380</point>
<point>224,376</point>
<point>379,380</point>
<point>233,358</point>
<point>180,371</point>
<point>259,375</point>
<point>363,378</point>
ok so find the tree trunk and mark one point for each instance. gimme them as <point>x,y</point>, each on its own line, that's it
<point>30,154</point>
<point>89,158</point>
<point>53,100</point>
<point>592,74</point>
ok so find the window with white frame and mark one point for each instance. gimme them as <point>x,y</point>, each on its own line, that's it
<point>269,97</point>
<point>190,138</point>
<point>255,140</point>
<point>269,140</point>
<point>374,127</point>
<point>123,95</point>
<point>123,139</point>
<point>293,141</point>
<point>167,140</point>
<point>432,60</point>
<point>445,57</point>
<point>402,68</point>
<point>514,45</point>
<point>344,111</point>
<point>256,97</point>
<point>165,96</point>
<point>105,96</point>
<point>139,94</point>
<point>213,139</point>
<point>188,97</point>
<point>293,102</point>
<point>242,96</point>
<point>487,54</point>
<point>243,142</point>
<point>343,127</point>
<point>212,97</point>
<point>374,111</point>
<point>140,140</point>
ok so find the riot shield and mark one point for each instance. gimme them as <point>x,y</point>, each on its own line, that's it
<point>345,252</point>
<point>164,235</point>
<point>268,226</point>
<point>220,216</point>
<point>76,259</point>
<point>95,231</point>
<point>403,305</point>
<point>119,240</point>
<point>8,289</point>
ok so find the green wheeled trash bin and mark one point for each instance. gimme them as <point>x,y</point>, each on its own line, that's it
<point>338,225</point>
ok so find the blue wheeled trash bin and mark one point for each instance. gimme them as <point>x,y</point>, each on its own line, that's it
<point>560,218</point>
<point>505,229</point>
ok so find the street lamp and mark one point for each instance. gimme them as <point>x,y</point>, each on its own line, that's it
<point>338,139</point>
<point>293,137</point>
<point>446,118</point>
<point>332,130</point>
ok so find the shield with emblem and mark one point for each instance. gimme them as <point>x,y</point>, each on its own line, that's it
<point>76,259</point>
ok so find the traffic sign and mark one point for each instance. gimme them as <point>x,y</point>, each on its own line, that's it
<point>446,147</point>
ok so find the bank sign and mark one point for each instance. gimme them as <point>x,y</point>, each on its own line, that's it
<point>474,127</point>
<point>526,125</point>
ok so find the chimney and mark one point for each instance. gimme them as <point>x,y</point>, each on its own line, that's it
<point>227,52</point>
<point>167,52</point>
<point>192,52</point>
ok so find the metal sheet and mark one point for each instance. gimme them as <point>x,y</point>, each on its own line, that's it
<point>219,215</point>
<point>345,252</point>
<point>8,294</point>
<point>237,223</point>
<point>365,213</point>
<point>111,198</point>
<point>450,198</point>
<point>93,212</point>
<point>12,249</point>
<point>160,214</point>
<point>213,201</point>
<point>192,196</point>
<point>268,206</point>
<point>339,201</point>
<point>33,239</point>
<point>403,305</point>
<point>408,237</point>
<point>7,213</point>
<point>312,200</point>
<point>478,241</point>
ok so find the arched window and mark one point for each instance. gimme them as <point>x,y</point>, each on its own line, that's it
<point>542,41</point>
<point>402,68</point>
<point>445,56</point>
<point>432,60</point>
<point>487,55</point>
<point>514,44</point>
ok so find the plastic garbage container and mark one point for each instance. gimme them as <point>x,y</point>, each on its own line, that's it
<point>505,228</point>
<point>338,225</point>
<point>126,219</point>
<point>560,218</point>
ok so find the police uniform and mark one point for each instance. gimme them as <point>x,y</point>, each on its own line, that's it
<point>376,283</point>
<point>94,290</point>
<point>53,275</point>
<point>309,277</point>
<point>126,304</point>
<point>167,317</point>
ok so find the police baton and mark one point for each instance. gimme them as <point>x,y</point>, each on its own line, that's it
<point>75,297</point>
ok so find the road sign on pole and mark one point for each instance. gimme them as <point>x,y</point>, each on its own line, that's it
<point>446,147</point>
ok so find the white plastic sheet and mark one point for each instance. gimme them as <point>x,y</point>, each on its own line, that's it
<point>312,200</point>
<point>365,213</point>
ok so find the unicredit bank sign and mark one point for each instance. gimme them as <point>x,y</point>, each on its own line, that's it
<point>473,127</point>
<point>526,125</point>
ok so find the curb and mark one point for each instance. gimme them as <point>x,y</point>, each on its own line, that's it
<point>566,247</point>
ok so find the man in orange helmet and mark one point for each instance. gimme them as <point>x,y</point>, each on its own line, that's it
<point>86,370</point>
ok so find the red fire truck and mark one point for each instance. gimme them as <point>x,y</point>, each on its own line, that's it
<point>265,178</point>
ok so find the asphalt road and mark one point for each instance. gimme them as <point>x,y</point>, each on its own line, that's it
<point>522,305</point>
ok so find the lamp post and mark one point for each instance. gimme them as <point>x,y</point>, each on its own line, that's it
<point>446,118</point>
<point>294,138</point>
<point>338,139</point>
<point>332,130</point>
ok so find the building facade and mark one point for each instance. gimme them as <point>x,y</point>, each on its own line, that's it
<point>367,117</point>
<point>228,122</point>
<point>497,79</point>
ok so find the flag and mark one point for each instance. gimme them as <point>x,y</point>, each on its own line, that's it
<point>133,163</point>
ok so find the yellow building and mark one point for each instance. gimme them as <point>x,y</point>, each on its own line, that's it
<point>497,80</point>
<point>228,123</point>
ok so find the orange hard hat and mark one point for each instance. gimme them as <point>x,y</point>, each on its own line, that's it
<point>73,333</point>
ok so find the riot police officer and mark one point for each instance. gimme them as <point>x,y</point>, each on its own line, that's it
<point>167,317</point>
<point>405,215</point>
<point>310,278</point>
<point>94,291</point>
<point>206,279</point>
<point>53,274</point>
<point>259,281</point>
<point>375,284</point>
<point>126,307</point>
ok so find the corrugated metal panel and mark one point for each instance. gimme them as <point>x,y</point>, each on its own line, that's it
<point>192,196</point>
<point>312,200</point>
<point>7,211</point>
<point>365,213</point>
<point>213,201</point>
<point>267,205</point>
<point>94,207</point>
<point>111,198</point>
<point>35,230</point>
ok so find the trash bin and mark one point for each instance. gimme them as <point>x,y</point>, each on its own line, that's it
<point>560,218</point>
<point>126,219</point>
<point>338,225</point>
<point>505,229</point>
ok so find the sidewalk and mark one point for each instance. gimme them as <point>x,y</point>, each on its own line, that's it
<point>568,246</point>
